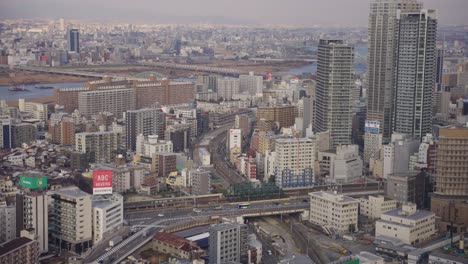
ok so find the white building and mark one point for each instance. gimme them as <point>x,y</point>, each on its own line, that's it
<point>125,177</point>
<point>251,84</point>
<point>37,110</point>
<point>147,146</point>
<point>235,138</point>
<point>407,224</point>
<point>342,164</point>
<point>227,87</point>
<point>107,215</point>
<point>373,206</point>
<point>205,156</point>
<point>7,222</point>
<point>294,159</point>
<point>397,153</point>
<point>333,211</point>
<point>372,146</point>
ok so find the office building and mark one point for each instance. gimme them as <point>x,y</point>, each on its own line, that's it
<point>7,222</point>
<point>22,133</point>
<point>227,88</point>
<point>251,83</point>
<point>409,187</point>
<point>115,101</point>
<point>101,146</point>
<point>373,206</point>
<point>381,58</point>
<point>294,162</point>
<point>409,225</point>
<point>20,250</point>
<point>68,98</point>
<point>107,216</point>
<point>396,154</point>
<point>284,115</point>
<point>440,55</point>
<point>201,183</point>
<point>451,179</point>
<point>73,38</point>
<point>32,214</point>
<point>180,137</point>
<point>36,110</point>
<point>5,133</point>
<point>415,63</point>
<point>235,138</point>
<point>341,164</point>
<point>335,80</point>
<point>372,140</point>
<point>71,220</point>
<point>150,145</point>
<point>228,243</point>
<point>334,212</point>
<point>149,121</point>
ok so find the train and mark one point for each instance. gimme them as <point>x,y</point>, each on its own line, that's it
<point>184,201</point>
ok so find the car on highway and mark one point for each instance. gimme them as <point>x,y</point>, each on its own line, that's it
<point>196,210</point>
<point>160,215</point>
<point>269,252</point>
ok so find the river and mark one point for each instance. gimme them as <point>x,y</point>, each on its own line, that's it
<point>33,92</point>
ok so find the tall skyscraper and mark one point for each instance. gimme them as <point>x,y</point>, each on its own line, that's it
<point>335,80</point>
<point>439,70</point>
<point>73,38</point>
<point>144,121</point>
<point>415,61</point>
<point>382,25</point>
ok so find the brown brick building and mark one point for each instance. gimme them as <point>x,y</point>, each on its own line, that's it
<point>284,115</point>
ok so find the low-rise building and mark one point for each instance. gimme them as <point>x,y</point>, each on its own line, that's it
<point>176,246</point>
<point>107,215</point>
<point>334,212</point>
<point>20,250</point>
<point>441,258</point>
<point>409,225</point>
<point>373,206</point>
<point>342,164</point>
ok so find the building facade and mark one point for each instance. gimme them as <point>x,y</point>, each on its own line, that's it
<point>228,243</point>
<point>115,101</point>
<point>100,146</point>
<point>373,206</point>
<point>107,216</point>
<point>149,121</point>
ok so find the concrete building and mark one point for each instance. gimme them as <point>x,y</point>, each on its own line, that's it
<point>32,211</point>
<point>407,224</point>
<point>20,250</point>
<point>228,243</point>
<point>342,164</point>
<point>115,101</point>
<point>415,63</point>
<point>100,146</point>
<point>381,58</point>
<point>125,176</point>
<point>397,153</point>
<point>62,129</point>
<point>150,145</point>
<point>148,121</point>
<point>443,104</point>
<point>437,257</point>
<point>7,222</point>
<point>373,206</point>
<point>201,182</point>
<point>334,212</point>
<point>227,88</point>
<point>235,138</point>
<point>107,216</point>
<point>294,162</point>
<point>71,220</point>
<point>37,110</point>
<point>176,246</point>
<point>22,133</point>
<point>73,39</point>
<point>5,133</point>
<point>251,83</point>
<point>164,163</point>
<point>284,115</point>
<point>409,187</point>
<point>68,98</point>
<point>372,140</point>
<point>451,179</point>
<point>180,135</point>
<point>335,80</point>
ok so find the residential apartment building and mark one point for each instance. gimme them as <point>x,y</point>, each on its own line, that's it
<point>415,64</point>
<point>115,101</point>
<point>107,216</point>
<point>227,88</point>
<point>148,121</point>
<point>20,250</point>
<point>335,81</point>
<point>7,222</point>
<point>284,115</point>
<point>62,129</point>
<point>334,212</point>
<point>294,162</point>
<point>32,211</point>
<point>100,146</point>
<point>125,176</point>
<point>373,206</point>
<point>409,225</point>
<point>201,182</point>
<point>251,83</point>
<point>36,110</point>
<point>381,60</point>
<point>228,243</point>
<point>22,133</point>
<point>150,145</point>
<point>71,220</point>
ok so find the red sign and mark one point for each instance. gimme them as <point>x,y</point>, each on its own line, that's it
<point>102,182</point>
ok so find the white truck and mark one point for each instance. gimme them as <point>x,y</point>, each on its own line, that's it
<point>114,241</point>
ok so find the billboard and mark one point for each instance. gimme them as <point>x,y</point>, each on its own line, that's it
<point>102,182</point>
<point>372,127</point>
<point>33,182</point>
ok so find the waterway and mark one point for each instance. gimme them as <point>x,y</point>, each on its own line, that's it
<point>33,92</point>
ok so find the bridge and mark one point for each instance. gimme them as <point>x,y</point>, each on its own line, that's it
<point>196,68</point>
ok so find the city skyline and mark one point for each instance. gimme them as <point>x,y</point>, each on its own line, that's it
<point>260,12</point>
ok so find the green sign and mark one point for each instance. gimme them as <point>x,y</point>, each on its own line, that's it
<point>33,182</point>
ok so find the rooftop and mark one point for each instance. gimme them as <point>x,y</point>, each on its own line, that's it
<point>416,216</point>
<point>74,192</point>
<point>175,241</point>
<point>337,197</point>
<point>8,247</point>
<point>459,259</point>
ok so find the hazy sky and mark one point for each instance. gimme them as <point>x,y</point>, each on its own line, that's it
<point>296,12</point>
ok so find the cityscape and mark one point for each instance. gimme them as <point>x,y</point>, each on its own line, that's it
<point>245,132</point>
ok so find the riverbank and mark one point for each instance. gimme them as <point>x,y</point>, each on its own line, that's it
<point>39,78</point>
